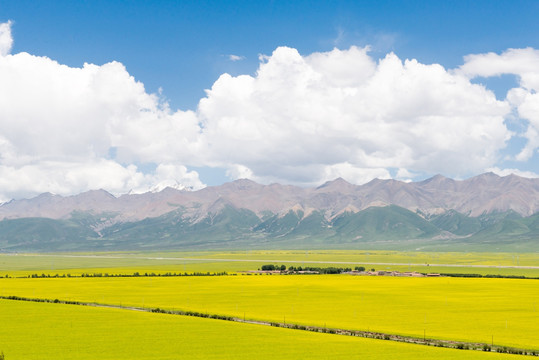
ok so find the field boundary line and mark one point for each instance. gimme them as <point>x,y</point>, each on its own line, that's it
<point>461,345</point>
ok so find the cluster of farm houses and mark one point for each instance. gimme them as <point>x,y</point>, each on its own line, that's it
<point>271,269</point>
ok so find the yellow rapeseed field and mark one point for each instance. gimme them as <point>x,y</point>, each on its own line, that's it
<point>503,311</point>
<point>42,331</point>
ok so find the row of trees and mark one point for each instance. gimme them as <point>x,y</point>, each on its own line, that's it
<point>272,267</point>
<point>135,274</point>
<point>320,270</point>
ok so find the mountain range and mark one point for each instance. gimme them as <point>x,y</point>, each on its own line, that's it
<point>486,212</point>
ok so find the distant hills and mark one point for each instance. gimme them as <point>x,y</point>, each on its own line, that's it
<point>486,212</point>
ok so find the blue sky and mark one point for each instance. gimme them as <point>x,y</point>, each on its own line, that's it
<point>179,49</point>
<point>179,45</point>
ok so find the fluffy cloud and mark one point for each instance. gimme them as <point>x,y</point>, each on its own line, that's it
<point>299,119</point>
<point>506,172</point>
<point>233,57</point>
<point>61,177</point>
<point>304,118</point>
<point>66,129</point>
<point>525,64</point>
<point>527,105</point>
<point>521,62</point>
<point>48,110</point>
<point>6,40</point>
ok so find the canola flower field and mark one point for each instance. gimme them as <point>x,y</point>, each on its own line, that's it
<point>58,332</point>
<point>503,312</point>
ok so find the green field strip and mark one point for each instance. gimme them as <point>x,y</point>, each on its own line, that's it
<point>505,264</point>
<point>278,260</point>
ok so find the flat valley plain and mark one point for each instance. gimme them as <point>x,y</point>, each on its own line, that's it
<point>499,311</point>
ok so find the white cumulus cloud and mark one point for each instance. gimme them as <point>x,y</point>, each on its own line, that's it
<point>525,64</point>
<point>6,40</point>
<point>59,126</point>
<point>506,172</point>
<point>301,118</point>
<point>66,178</point>
<point>521,62</point>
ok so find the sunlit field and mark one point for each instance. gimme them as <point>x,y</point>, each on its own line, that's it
<point>128,263</point>
<point>475,258</point>
<point>502,311</point>
<point>54,331</point>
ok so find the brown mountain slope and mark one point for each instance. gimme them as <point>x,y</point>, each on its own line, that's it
<point>485,193</point>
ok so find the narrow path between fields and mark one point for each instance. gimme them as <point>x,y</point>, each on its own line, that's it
<point>366,334</point>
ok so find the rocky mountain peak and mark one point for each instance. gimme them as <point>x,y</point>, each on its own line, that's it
<point>482,194</point>
<point>338,184</point>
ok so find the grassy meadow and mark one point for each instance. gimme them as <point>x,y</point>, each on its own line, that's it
<point>159,262</point>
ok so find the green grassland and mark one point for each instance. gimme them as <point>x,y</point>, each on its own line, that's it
<point>159,262</point>
<point>375,228</point>
<point>53,331</point>
<point>473,310</point>
<point>418,257</point>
